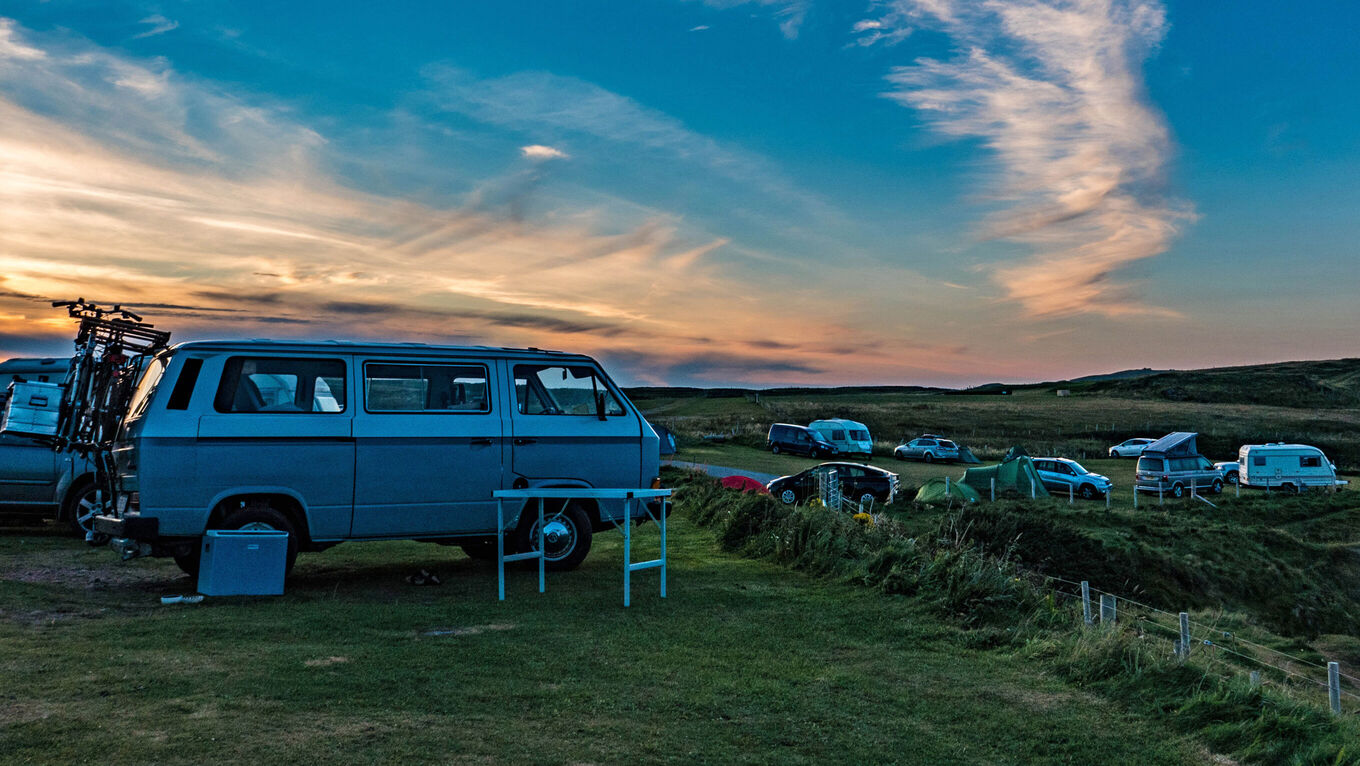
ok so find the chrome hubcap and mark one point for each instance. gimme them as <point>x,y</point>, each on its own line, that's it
<point>559,537</point>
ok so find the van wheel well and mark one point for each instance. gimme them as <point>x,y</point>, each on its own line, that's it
<point>284,504</point>
<point>529,512</point>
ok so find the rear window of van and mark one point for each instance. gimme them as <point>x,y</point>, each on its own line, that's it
<point>1150,465</point>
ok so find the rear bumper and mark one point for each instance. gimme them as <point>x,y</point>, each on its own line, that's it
<point>128,527</point>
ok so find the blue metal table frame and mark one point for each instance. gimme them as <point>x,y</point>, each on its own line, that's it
<point>628,496</point>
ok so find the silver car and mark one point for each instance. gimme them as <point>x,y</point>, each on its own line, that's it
<point>1063,476</point>
<point>1130,447</point>
<point>928,448</point>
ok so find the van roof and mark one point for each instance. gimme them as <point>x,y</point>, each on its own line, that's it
<point>366,347</point>
<point>1281,446</point>
<point>43,364</point>
<point>837,421</point>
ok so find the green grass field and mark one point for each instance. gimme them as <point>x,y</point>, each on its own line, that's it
<point>743,663</point>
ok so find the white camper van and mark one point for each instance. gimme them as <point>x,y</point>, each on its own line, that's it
<point>1291,467</point>
<point>849,436</point>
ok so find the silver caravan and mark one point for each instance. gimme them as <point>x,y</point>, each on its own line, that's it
<point>335,441</point>
<point>1291,467</point>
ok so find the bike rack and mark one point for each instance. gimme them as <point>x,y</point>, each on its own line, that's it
<point>628,496</point>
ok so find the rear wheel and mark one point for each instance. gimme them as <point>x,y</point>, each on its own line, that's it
<point>1178,490</point>
<point>1287,487</point>
<point>929,458</point>
<point>566,535</point>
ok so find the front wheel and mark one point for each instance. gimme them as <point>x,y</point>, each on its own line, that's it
<point>898,455</point>
<point>1086,492</point>
<point>566,535</point>
<point>788,496</point>
<point>774,449</point>
<point>1217,487</point>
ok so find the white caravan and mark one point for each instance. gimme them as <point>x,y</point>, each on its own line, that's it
<point>1291,467</point>
<point>850,437</point>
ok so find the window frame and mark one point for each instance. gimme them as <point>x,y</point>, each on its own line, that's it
<point>236,381</point>
<point>486,368</point>
<point>601,383</point>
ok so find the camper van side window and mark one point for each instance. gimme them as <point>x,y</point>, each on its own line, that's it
<point>276,385</point>
<point>1310,461</point>
<point>1258,459</point>
<point>561,390</point>
<point>425,388</point>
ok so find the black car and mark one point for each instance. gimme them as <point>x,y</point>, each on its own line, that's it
<point>858,483</point>
<point>798,440</point>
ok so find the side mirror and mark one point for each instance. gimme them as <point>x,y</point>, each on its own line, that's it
<point>599,405</point>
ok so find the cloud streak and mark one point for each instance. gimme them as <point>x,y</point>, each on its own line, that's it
<point>123,181</point>
<point>1053,89</point>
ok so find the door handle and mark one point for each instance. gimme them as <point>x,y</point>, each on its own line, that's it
<point>521,442</point>
<point>484,442</point>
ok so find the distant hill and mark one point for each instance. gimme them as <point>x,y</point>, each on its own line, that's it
<point>1330,383</point>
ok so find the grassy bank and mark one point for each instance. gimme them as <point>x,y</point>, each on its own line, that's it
<point>743,663</point>
<point>977,577</point>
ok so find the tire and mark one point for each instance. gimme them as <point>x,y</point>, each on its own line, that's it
<point>78,508</point>
<point>898,455</point>
<point>774,449</point>
<point>928,458</point>
<point>1232,477</point>
<point>1216,488</point>
<point>1288,487</point>
<point>1086,492</point>
<point>257,517</point>
<point>567,535</point>
<point>788,496</point>
<point>1178,490</point>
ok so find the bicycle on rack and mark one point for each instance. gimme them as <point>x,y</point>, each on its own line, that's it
<point>113,346</point>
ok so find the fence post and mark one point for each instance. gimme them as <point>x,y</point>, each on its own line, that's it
<point>1071,496</point>
<point>1107,498</point>
<point>1254,677</point>
<point>1107,609</point>
<point>1334,686</point>
<point>1194,487</point>
<point>993,489</point>
<point>1135,496</point>
<point>1159,492</point>
<point>1185,635</point>
<point>1086,602</point>
<point>1032,490</point>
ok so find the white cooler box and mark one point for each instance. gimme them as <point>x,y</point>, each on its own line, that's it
<point>32,409</point>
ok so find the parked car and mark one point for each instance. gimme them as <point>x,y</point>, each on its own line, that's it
<point>1231,471</point>
<point>798,440</point>
<point>928,447</point>
<point>1172,465</point>
<point>850,437</point>
<point>36,482</point>
<point>858,482</point>
<point>1061,476</point>
<point>1130,447</point>
<point>355,441</point>
<point>1290,467</point>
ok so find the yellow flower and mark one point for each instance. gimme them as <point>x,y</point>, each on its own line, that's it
<point>864,519</point>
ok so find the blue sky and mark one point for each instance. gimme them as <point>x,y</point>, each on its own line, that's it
<point>700,192</point>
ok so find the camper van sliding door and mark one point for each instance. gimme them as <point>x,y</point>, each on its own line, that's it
<point>282,424</point>
<point>429,442</point>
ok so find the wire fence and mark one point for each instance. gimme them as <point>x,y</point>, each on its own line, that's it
<point>1264,664</point>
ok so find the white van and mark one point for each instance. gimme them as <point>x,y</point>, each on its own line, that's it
<point>849,437</point>
<point>1290,467</point>
<point>362,441</point>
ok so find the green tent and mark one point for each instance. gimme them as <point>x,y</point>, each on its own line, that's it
<point>934,492</point>
<point>966,456</point>
<point>1014,475</point>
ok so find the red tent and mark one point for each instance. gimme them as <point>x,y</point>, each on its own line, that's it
<point>743,483</point>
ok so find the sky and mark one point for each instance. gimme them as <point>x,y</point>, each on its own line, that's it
<point>698,192</point>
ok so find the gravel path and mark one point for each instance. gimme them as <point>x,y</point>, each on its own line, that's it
<point>721,471</point>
